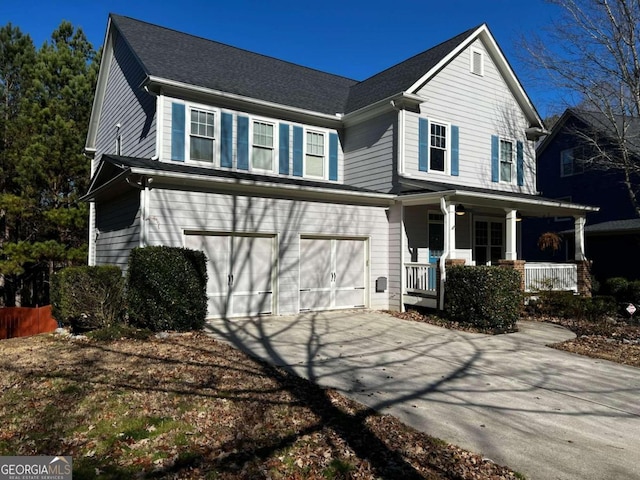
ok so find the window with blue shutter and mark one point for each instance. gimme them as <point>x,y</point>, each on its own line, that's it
<point>297,151</point>
<point>284,149</point>
<point>423,144</point>
<point>333,156</point>
<point>520,163</point>
<point>455,151</point>
<point>243,143</point>
<point>226,141</point>
<point>495,158</point>
<point>177,131</point>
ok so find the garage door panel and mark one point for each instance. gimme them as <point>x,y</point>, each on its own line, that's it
<point>315,299</point>
<point>247,304</point>
<point>349,263</point>
<point>350,297</point>
<point>315,268</point>
<point>252,264</point>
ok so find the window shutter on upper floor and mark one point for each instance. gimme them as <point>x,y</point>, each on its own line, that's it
<point>520,163</point>
<point>226,140</point>
<point>333,156</point>
<point>455,151</point>
<point>495,163</point>
<point>177,131</point>
<point>243,143</point>
<point>284,149</point>
<point>297,151</point>
<point>423,145</point>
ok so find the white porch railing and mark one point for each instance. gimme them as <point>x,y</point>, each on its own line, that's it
<point>421,277</point>
<point>550,276</point>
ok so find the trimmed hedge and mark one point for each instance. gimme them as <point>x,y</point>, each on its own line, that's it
<point>167,288</point>
<point>623,290</point>
<point>88,298</point>
<point>486,297</point>
<point>569,305</point>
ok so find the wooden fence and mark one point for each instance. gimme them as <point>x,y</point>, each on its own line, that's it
<point>22,321</point>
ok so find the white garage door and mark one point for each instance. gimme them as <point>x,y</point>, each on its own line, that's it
<point>240,270</point>
<point>332,273</point>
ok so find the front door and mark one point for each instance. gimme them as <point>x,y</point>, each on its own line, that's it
<point>488,242</point>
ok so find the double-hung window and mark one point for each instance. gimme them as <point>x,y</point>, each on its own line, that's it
<point>315,155</point>
<point>262,154</point>
<point>569,164</point>
<point>506,161</point>
<point>201,136</point>
<point>438,147</point>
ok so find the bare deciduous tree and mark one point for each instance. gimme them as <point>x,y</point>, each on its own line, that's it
<point>592,51</point>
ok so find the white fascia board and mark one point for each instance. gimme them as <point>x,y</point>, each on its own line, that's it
<point>502,64</point>
<point>459,196</point>
<point>101,87</point>
<point>398,101</point>
<point>332,121</point>
<point>186,178</point>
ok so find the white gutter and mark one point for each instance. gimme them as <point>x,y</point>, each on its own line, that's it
<point>335,119</point>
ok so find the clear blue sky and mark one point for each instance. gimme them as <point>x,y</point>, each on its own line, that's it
<point>355,38</point>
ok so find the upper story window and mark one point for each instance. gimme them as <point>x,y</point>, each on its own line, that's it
<point>506,161</point>
<point>569,164</point>
<point>262,153</point>
<point>314,158</point>
<point>438,147</point>
<point>201,136</point>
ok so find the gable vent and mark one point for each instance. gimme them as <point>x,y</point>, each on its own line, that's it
<point>477,62</point>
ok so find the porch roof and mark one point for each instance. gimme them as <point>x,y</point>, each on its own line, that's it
<point>422,192</point>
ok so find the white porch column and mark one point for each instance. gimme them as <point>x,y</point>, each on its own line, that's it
<point>580,221</point>
<point>511,249</point>
<point>449,212</point>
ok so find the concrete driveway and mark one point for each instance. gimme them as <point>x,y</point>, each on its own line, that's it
<point>545,413</point>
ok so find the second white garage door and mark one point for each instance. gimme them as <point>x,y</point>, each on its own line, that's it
<point>333,273</point>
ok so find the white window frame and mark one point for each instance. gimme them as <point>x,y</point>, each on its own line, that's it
<point>472,54</point>
<point>273,148</point>
<point>572,153</point>
<point>500,162</point>
<point>188,134</point>
<point>447,150</point>
<point>325,154</point>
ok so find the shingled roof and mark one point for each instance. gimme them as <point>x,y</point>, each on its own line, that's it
<point>180,57</point>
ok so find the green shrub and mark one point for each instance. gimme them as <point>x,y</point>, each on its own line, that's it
<point>599,307</point>
<point>633,291</point>
<point>486,297</point>
<point>87,298</point>
<point>618,287</point>
<point>167,288</point>
<point>569,305</point>
<point>118,332</point>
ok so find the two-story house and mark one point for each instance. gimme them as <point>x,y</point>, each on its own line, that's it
<point>569,167</point>
<point>305,189</point>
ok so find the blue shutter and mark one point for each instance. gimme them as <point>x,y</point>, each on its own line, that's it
<point>177,131</point>
<point>226,140</point>
<point>423,145</point>
<point>520,163</point>
<point>333,156</point>
<point>297,151</point>
<point>284,149</point>
<point>495,164</point>
<point>243,143</point>
<point>455,151</point>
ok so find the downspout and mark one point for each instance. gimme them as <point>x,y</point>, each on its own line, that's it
<point>445,252</point>
<point>400,170</point>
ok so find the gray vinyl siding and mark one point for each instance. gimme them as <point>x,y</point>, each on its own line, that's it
<point>118,229</point>
<point>173,211</point>
<point>370,153</point>
<point>165,155</point>
<point>481,106</point>
<point>127,104</point>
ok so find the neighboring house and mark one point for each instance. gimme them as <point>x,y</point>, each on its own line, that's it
<point>308,190</point>
<point>568,169</point>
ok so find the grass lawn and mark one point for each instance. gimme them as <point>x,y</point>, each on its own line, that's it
<point>189,407</point>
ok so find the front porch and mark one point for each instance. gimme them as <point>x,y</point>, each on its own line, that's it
<point>465,228</point>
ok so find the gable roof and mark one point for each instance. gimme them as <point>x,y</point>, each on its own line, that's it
<point>599,123</point>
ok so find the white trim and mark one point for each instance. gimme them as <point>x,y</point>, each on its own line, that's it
<point>274,147</point>
<point>91,254</point>
<point>403,272</point>
<point>501,63</point>
<point>215,161</point>
<point>447,155</point>
<point>160,113</point>
<point>325,154</point>
<point>511,235</point>
<point>580,221</point>
<point>334,120</point>
<point>514,166</point>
